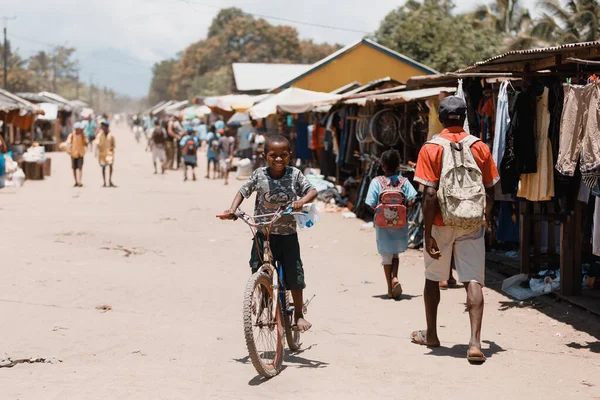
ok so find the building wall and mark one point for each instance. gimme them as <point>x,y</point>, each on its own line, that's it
<point>363,64</point>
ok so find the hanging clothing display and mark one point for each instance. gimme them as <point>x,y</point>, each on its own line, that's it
<point>508,222</point>
<point>580,132</point>
<point>302,149</point>
<point>539,186</point>
<point>502,123</point>
<point>485,118</point>
<point>519,153</point>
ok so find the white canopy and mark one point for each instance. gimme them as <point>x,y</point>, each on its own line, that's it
<point>292,101</point>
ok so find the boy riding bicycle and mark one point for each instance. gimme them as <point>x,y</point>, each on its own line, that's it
<point>275,186</point>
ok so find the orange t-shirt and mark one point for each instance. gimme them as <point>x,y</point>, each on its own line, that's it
<point>429,164</point>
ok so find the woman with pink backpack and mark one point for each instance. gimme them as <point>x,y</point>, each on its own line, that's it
<point>389,195</point>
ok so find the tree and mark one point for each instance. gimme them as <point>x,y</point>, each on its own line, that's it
<point>577,21</point>
<point>311,52</point>
<point>18,77</point>
<point>224,18</point>
<point>233,37</point>
<point>505,16</point>
<point>431,34</point>
<point>161,78</point>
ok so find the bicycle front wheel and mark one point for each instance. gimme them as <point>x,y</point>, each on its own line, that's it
<point>263,330</point>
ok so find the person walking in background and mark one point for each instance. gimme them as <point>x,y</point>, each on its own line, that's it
<point>175,132</point>
<point>212,140</point>
<point>172,141</point>
<point>190,145</point>
<point>90,131</point>
<point>389,195</point>
<point>106,151</point>
<point>226,150</point>
<point>458,200</point>
<point>156,145</point>
<point>77,145</point>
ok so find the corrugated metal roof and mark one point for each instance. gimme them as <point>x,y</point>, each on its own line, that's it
<point>401,97</point>
<point>519,55</point>
<point>372,85</point>
<point>10,102</point>
<point>262,77</point>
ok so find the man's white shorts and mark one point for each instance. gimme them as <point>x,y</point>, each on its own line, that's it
<point>469,255</point>
<point>159,154</point>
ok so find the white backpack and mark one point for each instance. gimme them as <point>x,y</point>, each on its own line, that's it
<point>461,192</point>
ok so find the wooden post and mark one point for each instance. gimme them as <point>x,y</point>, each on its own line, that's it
<point>525,231</point>
<point>577,248</point>
<point>566,256</point>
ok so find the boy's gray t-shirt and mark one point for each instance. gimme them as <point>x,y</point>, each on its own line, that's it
<point>274,193</point>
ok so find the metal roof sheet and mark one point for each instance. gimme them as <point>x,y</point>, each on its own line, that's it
<point>521,55</point>
<point>401,97</point>
<point>261,77</point>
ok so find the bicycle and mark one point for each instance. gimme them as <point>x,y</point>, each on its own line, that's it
<point>267,310</point>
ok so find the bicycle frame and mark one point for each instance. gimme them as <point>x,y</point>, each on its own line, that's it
<point>268,263</point>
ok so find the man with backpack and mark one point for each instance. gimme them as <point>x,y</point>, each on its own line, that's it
<point>156,144</point>
<point>459,174</point>
<point>189,145</point>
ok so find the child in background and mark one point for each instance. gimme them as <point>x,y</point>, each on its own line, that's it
<point>391,241</point>
<point>189,145</point>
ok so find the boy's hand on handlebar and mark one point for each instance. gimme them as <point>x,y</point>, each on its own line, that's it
<point>297,206</point>
<point>228,215</point>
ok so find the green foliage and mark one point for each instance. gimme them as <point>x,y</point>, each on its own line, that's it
<point>204,67</point>
<point>431,34</point>
<point>161,78</point>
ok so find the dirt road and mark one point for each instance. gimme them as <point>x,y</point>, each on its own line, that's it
<point>174,276</point>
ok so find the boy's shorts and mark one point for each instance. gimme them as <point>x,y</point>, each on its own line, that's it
<point>77,163</point>
<point>286,250</point>
<point>468,250</point>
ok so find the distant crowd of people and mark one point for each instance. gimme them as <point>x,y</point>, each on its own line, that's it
<point>174,143</point>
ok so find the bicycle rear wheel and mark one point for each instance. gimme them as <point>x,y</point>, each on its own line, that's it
<point>263,330</point>
<point>292,337</point>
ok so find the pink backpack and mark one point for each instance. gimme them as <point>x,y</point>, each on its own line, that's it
<point>391,209</point>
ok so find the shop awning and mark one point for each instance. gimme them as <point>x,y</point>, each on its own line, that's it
<point>11,102</point>
<point>291,101</point>
<point>401,97</point>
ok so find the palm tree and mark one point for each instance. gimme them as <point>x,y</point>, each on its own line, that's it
<point>576,21</point>
<point>505,16</point>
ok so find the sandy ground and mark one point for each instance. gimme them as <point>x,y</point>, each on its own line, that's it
<point>174,277</point>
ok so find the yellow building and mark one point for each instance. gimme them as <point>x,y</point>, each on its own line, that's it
<point>363,61</point>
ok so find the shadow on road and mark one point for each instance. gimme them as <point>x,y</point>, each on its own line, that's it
<point>460,350</point>
<point>594,347</point>
<point>292,359</point>
<point>402,297</point>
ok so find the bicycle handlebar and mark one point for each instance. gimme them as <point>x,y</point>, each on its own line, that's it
<point>250,221</point>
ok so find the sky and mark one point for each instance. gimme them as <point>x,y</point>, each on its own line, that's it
<point>118,41</point>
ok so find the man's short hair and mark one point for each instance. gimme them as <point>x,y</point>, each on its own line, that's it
<point>277,139</point>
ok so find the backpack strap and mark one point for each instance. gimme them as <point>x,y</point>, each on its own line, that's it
<point>470,140</point>
<point>383,181</point>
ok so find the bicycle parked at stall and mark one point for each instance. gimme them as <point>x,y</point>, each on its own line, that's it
<point>268,311</point>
